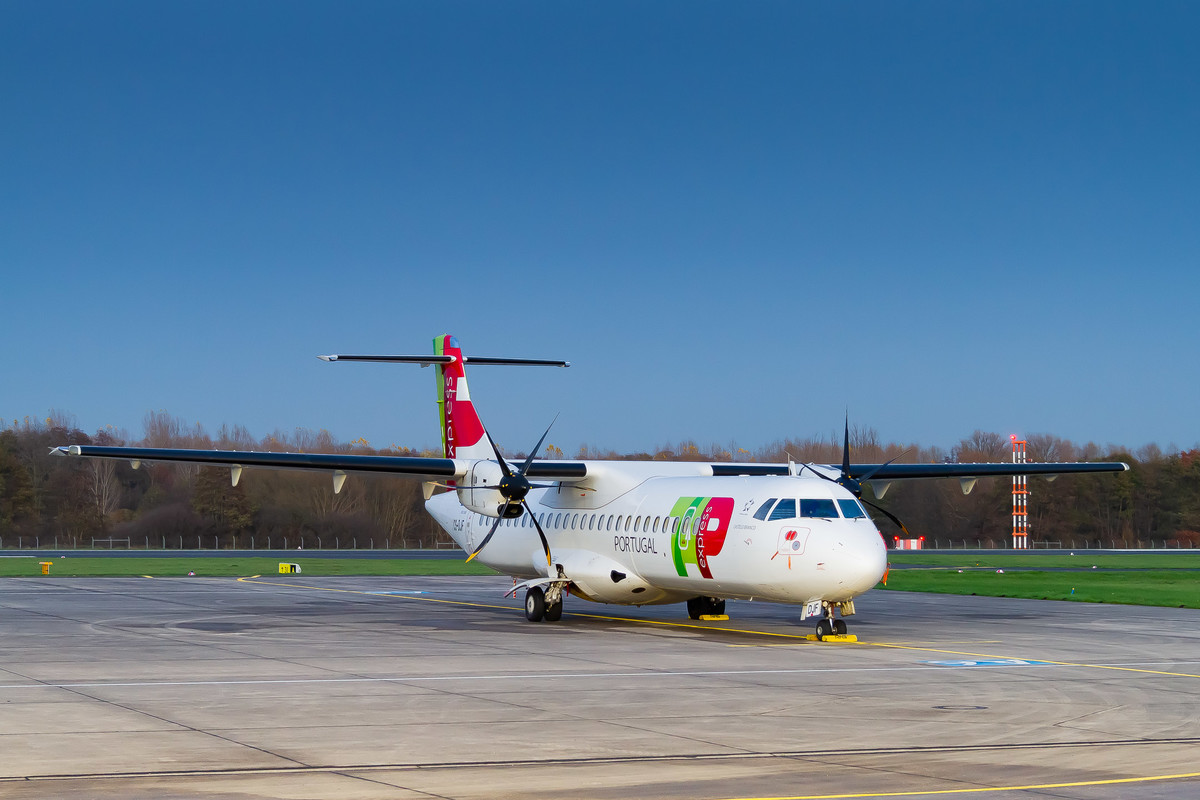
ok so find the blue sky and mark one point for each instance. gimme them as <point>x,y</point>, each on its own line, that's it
<point>737,220</point>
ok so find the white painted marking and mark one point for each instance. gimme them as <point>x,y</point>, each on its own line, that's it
<point>925,666</point>
<point>989,662</point>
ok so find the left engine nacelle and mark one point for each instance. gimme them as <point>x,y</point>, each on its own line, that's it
<point>479,493</point>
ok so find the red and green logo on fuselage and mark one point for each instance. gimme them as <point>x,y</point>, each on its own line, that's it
<point>704,521</point>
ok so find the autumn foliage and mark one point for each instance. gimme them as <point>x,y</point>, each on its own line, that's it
<point>47,500</point>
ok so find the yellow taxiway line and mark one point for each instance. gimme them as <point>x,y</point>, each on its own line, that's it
<point>803,639</point>
<point>980,789</point>
<point>797,638</point>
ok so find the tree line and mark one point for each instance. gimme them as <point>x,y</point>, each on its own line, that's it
<point>71,502</point>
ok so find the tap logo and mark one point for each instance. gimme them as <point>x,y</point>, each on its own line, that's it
<point>704,521</point>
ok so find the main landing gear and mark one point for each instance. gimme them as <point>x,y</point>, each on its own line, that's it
<point>705,607</point>
<point>544,604</point>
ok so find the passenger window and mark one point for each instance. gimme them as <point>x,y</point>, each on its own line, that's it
<point>764,509</point>
<point>784,509</point>
<point>675,525</point>
<point>637,525</point>
<point>822,509</point>
<point>851,509</point>
<point>656,525</point>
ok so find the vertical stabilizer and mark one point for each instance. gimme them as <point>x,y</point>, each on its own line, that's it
<point>463,435</point>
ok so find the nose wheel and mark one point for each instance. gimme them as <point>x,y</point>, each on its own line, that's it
<point>831,627</point>
<point>828,625</point>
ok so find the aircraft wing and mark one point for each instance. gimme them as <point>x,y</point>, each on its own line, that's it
<point>892,472</point>
<point>426,469</point>
<point>409,466</point>
<point>888,472</point>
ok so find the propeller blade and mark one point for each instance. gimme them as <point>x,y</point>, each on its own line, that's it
<point>819,474</point>
<point>846,449</point>
<point>537,447</point>
<point>503,464</point>
<point>488,538</point>
<point>541,533</point>
<point>888,514</point>
<point>867,477</point>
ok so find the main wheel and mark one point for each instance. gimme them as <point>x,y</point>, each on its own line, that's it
<point>554,611</point>
<point>697,606</point>
<point>824,628</point>
<point>716,607</point>
<point>839,627</point>
<point>535,604</point>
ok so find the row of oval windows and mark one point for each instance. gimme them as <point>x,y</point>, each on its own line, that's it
<point>601,522</point>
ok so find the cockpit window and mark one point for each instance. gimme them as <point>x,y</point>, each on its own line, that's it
<point>764,509</point>
<point>818,508</point>
<point>786,509</point>
<point>851,509</point>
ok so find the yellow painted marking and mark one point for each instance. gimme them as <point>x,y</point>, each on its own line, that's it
<point>794,636</point>
<point>148,576</point>
<point>981,789</point>
<point>423,599</point>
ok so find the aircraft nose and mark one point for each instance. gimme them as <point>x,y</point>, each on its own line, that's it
<point>861,556</point>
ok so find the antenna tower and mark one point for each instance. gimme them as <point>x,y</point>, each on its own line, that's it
<point>1020,491</point>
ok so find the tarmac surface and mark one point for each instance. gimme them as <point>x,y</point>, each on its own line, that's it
<point>303,687</point>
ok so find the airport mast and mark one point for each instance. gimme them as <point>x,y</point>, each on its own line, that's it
<point>1020,491</point>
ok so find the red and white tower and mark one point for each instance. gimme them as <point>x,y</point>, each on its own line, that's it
<point>1020,491</point>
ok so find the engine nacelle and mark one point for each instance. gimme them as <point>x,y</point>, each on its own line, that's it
<point>481,496</point>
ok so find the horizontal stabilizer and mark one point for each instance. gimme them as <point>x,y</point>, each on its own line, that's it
<point>426,360</point>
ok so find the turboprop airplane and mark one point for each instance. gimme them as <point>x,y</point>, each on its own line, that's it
<point>633,532</point>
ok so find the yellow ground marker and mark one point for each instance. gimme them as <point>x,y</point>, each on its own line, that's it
<point>980,789</point>
<point>797,637</point>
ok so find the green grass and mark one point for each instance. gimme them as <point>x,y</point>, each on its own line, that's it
<point>1162,579</point>
<point>1153,588</point>
<point>1184,559</point>
<point>209,567</point>
<point>1166,580</point>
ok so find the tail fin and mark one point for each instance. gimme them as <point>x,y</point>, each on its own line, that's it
<point>463,435</point>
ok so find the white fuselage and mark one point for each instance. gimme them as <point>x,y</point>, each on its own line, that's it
<point>640,539</point>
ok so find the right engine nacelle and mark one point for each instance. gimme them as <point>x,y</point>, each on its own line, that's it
<point>481,497</point>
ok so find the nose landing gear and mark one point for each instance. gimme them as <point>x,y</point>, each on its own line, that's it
<point>829,628</point>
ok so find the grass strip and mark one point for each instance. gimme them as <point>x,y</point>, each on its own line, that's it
<point>212,567</point>
<point>1183,559</point>
<point>1151,588</point>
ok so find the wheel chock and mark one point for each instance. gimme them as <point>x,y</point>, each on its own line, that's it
<point>833,637</point>
<point>714,617</point>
